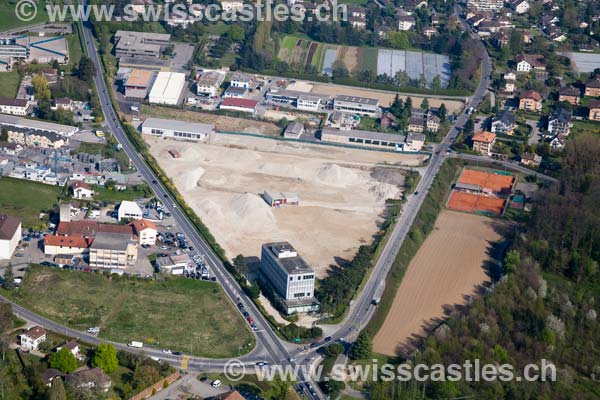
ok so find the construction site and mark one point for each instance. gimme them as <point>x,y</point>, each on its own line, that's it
<point>483,192</point>
<point>343,192</point>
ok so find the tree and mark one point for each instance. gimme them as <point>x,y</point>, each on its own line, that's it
<point>41,88</point>
<point>86,70</point>
<point>335,349</point>
<point>105,357</point>
<point>63,360</point>
<point>425,104</point>
<point>239,263</point>
<point>4,134</point>
<point>57,390</point>
<point>512,260</point>
<point>144,376</point>
<point>436,83</point>
<point>470,126</point>
<point>237,33</point>
<point>362,347</point>
<point>9,278</point>
<point>442,112</point>
<point>279,389</point>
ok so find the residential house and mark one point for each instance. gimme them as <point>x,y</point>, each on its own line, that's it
<point>64,104</point>
<point>527,62</point>
<point>530,100</point>
<point>510,80</point>
<point>560,123</point>
<point>569,94</point>
<point>594,110</point>
<point>36,138</point>
<point>232,5</point>
<point>531,160</point>
<point>51,374</point>
<point>146,232</point>
<point>433,123</point>
<point>504,123</point>
<point>14,106</point>
<point>80,190</point>
<point>32,338</point>
<point>416,125</point>
<point>10,235</point>
<point>93,378</point>
<point>232,395</point>
<point>406,23</point>
<point>72,346</point>
<point>483,142</point>
<point>520,6</point>
<point>429,32</point>
<point>234,92</point>
<point>129,210</point>
<point>592,88</point>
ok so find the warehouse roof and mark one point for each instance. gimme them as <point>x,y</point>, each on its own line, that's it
<point>64,130</point>
<point>356,99</point>
<point>172,124</point>
<point>356,133</point>
<point>168,85</point>
<point>243,103</point>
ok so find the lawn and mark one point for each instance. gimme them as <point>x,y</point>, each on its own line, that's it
<point>370,59</point>
<point>9,20</point>
<point>26,199</point>
<point>9,84</point>
<point>174,313</point>
<point>111,196</point>
<point>75,51</point>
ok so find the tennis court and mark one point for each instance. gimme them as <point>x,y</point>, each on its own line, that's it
<point>496,182</point>
<point>468,202</point>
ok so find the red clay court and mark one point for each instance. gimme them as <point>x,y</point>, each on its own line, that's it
<point>471,202</point>
<point>498,183</point>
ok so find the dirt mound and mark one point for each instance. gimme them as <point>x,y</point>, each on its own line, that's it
<point>384,191</point>
<point>211,208</point>
<point>252,210</point>
<point>191,178</point>
<point>335,175</point>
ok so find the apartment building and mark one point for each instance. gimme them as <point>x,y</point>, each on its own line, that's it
<point>113,250</point>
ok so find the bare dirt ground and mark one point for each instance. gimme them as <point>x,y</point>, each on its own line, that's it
<point>223,123</point>
<point>449,266</point>
<point>341,205</point>
<point>385,98</point>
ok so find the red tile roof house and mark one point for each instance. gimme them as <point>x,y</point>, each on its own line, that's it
<point>483,142</point>
<point>31,339</point>
<point>530,100</point>
<point>81,190</point>
<point>242,105</point>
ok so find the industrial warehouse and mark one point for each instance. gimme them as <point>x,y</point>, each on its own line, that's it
<point>172,129</point>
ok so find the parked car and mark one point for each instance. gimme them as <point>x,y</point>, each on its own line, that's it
<point>216,383</point>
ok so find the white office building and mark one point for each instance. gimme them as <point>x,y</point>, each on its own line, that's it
<point>290,276</point>
<point>173,129</point>
<point>308,103</point>
<point>356,105</point>
<point>129,210</point>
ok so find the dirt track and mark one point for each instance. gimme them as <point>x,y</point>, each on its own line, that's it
<point>446,268</point>
<point>342,193</point>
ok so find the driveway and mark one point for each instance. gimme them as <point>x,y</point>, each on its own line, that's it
<point>534,137</point>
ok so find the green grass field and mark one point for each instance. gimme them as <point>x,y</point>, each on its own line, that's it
<point>9,84</point>
<point>26,199</point>
<point>9,20</point>
<point>174,313</point>
<point>370,60</point>
<point>75,51</point>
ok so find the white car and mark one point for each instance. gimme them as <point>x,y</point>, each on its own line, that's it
<point>216,383</point>
<point>167,351</point>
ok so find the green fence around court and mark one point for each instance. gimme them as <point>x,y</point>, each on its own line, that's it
<point>321,143</point>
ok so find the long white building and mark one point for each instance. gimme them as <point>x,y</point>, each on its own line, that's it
<point>173,129</point>
<point>356,105</point>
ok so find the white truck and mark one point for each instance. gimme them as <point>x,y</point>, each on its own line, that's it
<point>135,344</point>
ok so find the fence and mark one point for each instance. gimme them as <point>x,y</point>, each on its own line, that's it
<point>157,387</point>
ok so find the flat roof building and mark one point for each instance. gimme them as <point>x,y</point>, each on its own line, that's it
<point>25,123</point>
<point>136,83</point>
<point>289,275</point>
<point>167,88</point>
<point>113,250</point>
<point>142,44</point>
<point>173,129</point>
<point>294,130</point>
<point>363,138</point>
<point>356,105</point>
<point>209,83</point>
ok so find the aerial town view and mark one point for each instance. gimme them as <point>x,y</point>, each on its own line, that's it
<point>299,199</point>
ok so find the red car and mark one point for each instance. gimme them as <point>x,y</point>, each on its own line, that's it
<point>250,320</point>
